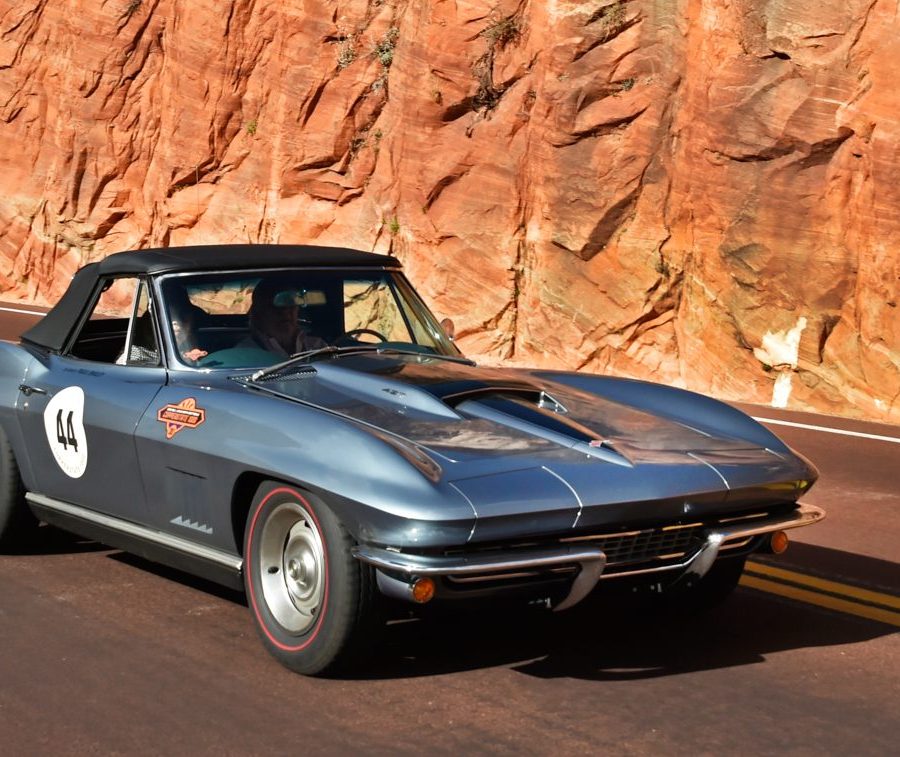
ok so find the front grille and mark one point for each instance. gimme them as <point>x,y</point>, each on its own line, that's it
<point>631,552</point>
<point>667,543</point>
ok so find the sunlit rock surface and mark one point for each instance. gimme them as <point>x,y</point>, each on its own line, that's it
<point>705,193</point>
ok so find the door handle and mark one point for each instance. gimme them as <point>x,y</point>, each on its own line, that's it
<point>29,390</point>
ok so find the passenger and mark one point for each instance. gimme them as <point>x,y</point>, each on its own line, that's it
<point>183,315</point>
<point>274,323</point>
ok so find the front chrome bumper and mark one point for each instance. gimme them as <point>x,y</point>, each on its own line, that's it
<point>589,561</point>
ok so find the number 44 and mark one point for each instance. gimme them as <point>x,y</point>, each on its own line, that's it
<point>66,437</point>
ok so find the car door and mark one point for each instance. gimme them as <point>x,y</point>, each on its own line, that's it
<point>80,408</point>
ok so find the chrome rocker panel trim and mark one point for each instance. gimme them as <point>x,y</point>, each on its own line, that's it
<point>592,561</point>
<point>201,551</point>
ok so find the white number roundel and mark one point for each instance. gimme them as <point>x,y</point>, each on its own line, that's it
<point>64,424</point>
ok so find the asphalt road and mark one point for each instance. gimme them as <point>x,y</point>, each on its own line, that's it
<point>101,652</point>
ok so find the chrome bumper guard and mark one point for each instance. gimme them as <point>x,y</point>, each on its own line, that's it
<point>590,560</point>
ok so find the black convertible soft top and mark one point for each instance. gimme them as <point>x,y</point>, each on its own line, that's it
<point>52,331</point>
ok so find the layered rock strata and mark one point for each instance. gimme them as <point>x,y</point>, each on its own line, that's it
<point>701,192</point>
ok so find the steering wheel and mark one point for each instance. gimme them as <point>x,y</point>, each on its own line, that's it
<point>353,333</point>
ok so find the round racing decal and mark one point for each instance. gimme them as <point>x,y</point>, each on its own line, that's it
<point>64,424</point>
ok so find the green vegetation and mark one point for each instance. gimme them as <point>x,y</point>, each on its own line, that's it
<point>611,19</point>
<point>132,8</point>
<point>394,226</point>
<point>384,49</point>
<point>357,144</point>
<point>502,31</point>
<point>250,127</point>
<point>662,267</point>
<point>346,53</point>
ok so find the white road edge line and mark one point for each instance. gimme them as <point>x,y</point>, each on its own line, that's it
<point>775,421</point>
<point>24,312</point>
<point>860,434</point>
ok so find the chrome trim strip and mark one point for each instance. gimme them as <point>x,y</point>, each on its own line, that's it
<point>753,516</point>
<point>471,564</point>
<point>642,571</point>
<point>595,537</point>
<point>804,515</point>
<point>709,465</point>
<point>474,511</point>
<point>505,576</point>
<point>591,560</point>
<point>492,577</point>
<point>735,544</point>
<point>141,532</point>
<point>571,489</point>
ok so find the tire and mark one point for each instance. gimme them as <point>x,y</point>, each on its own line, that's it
<point>18,526</point>
<point>313,603</point>
<point>714,588</point>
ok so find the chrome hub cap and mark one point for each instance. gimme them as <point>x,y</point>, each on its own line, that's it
<point>292,562</point>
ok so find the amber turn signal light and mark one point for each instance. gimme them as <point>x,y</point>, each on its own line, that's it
<point>778,542</point>
<point>423,590</point>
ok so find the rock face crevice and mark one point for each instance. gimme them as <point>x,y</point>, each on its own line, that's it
<point>701,192</point>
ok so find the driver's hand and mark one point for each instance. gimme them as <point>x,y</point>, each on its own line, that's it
<point>195,354</point>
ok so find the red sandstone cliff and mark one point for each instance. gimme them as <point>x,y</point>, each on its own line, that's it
<point>701,192</point>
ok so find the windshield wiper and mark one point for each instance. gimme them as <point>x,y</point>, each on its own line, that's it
<point>299,357</point>
<point>436,355</point>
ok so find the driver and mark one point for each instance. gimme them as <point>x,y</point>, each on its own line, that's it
<point>274,325</point>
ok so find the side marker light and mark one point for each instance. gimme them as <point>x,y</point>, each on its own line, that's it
<point>778,542</point>
<point>423,590</point>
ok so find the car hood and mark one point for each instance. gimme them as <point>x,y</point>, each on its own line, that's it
<point>519,447</point>
<point>464,412</point>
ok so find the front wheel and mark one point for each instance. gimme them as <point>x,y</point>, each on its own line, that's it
<point>312,602</point>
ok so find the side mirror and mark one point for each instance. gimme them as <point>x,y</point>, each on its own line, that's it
<point>449,328</point>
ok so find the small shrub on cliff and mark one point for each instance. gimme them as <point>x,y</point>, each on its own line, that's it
<point>357,144</point>
<point>346,54</point>
<point>611,19</point>
<point>503,31</point>
<point>662,267</point>
<point>132,8</point>
<point>394,226</point>
<point>251,127</point>
<point>384,50</point>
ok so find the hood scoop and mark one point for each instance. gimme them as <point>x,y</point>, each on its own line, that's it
<point>537,413</point>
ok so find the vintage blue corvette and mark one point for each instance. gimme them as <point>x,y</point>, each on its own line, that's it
<point>293,421</point>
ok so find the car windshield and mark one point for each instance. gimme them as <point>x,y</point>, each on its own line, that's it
<point>254,319</point>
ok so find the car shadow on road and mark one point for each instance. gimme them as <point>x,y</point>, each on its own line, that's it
<point>621,638</point>
<point>614,641</point>
<point>53,541</point>
<point>606,638</point>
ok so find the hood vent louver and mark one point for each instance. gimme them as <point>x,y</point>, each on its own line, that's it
<point>532,414</point>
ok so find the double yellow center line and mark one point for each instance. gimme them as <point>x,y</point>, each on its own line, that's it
<point>873,605</point>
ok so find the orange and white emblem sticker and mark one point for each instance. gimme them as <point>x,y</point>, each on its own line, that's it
<point>185,414</point>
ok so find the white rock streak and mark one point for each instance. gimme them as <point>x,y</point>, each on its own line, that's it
<point>780,349</point>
